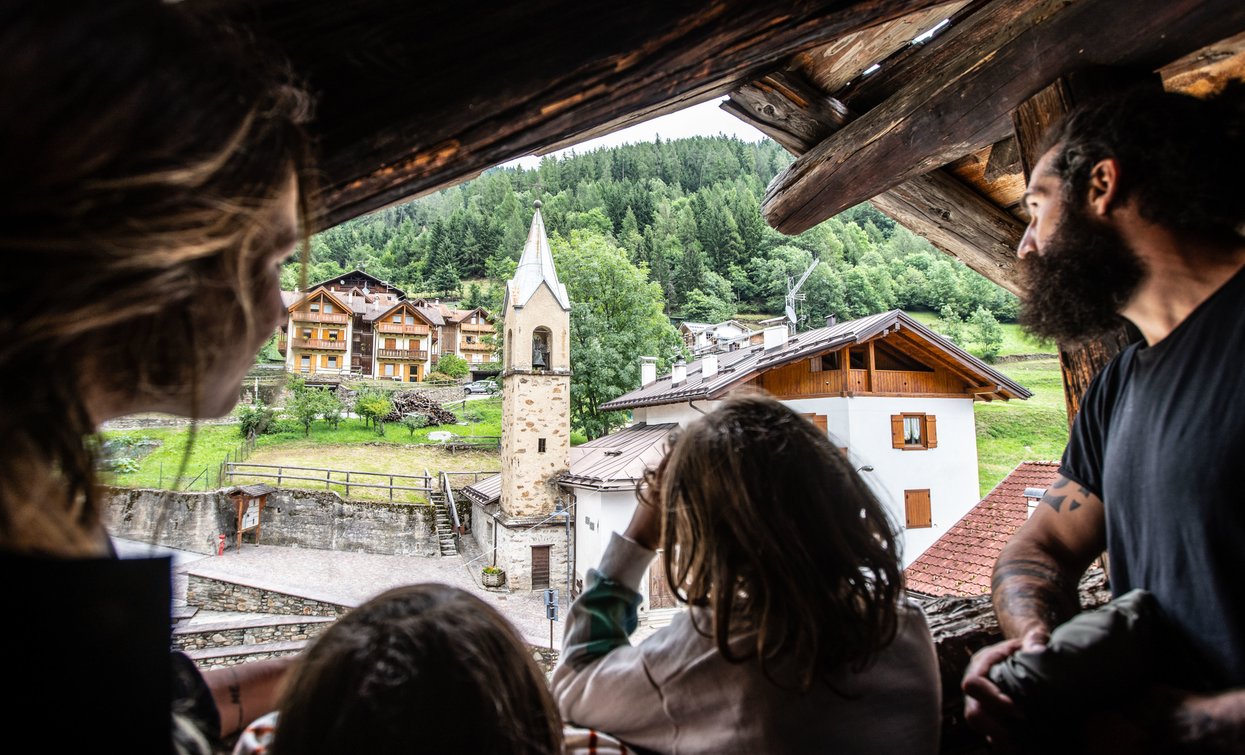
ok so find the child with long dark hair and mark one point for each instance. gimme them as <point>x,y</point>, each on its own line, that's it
<point>798,638</point>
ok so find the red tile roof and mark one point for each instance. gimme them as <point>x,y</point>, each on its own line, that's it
<point>961,561</point>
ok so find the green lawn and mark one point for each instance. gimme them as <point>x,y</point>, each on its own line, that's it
<point>214,442</point>
<point>1015,339</point>
<point>1009,432</point>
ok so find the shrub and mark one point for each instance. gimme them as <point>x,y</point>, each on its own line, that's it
<point>438,377</point>
<point>453,365</point>
<point>413,422</point>
<point>256,419</point>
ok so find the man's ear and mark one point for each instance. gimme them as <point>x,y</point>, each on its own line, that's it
<point>1104,181</point>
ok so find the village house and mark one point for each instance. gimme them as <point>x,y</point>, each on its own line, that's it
<point>728,335</point>
<point>894,396</point>
<point>357,324</point>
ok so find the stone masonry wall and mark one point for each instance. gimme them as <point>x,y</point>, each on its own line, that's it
<point>298,518</point>
<point>535,405</point>
<point>213,636</point>
<point>514,554</point>
<point>215,595</point>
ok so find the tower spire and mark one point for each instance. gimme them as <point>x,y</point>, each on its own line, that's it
<point>536,267</point>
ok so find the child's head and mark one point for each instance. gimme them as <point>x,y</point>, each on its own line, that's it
<point>765,522</point>
<point>424,668</point>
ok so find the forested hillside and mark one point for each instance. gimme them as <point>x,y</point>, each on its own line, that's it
<point>686,212</point>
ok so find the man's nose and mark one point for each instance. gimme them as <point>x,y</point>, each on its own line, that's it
<point>1028,245</point>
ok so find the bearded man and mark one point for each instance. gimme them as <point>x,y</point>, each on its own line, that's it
<point>1136,210</point>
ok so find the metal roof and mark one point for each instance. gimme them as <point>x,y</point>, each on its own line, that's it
<point>484,491</point>
<point>735,367</point>
<point>536,269</point>
<point>253,491</point>
<point>617,461</point>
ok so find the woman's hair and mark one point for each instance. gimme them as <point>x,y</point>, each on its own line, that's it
<point>424,668</point>
<point>143,153</point>
<point>764,522</point>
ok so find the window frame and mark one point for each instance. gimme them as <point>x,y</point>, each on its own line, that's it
<point>928,428</point>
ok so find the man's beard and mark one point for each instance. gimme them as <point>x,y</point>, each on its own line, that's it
<point>1075,288</point>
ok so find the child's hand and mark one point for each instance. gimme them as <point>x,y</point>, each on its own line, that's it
<point>645,526</point>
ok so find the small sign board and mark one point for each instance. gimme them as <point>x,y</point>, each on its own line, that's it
<point>551,611</point>
<point>250,515</point>
<point>551,597</point>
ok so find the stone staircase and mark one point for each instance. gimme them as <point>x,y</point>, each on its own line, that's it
<point>445,530</point>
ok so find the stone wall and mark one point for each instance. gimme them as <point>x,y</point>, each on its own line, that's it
<point>536,407</point>
<point>216,595</point>
<point>298,518</point>
<point>514,554</point>
<point>230,634</point>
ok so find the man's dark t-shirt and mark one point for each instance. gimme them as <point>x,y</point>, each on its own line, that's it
<point>1161,440</point>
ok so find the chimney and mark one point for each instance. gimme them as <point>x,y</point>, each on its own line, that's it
<point>648,370</point>
<point>1033,496</point>
<point>831,321</point>
<point>775,336</point>
<point>708,366</point>
<point>678,372</point>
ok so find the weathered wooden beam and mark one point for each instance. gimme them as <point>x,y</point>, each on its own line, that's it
<point>413,97</point>
<point>936,206</point>
<point>952,110</point>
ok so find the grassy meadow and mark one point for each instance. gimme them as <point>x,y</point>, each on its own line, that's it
<point>1009,432</point>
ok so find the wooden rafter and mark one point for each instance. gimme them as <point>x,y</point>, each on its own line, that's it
<point>413,97</point>
<point>956,107</point>
<point>937,206</point>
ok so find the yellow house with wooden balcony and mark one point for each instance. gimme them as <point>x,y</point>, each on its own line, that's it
<point>318,335</point>
<point>403,337</point>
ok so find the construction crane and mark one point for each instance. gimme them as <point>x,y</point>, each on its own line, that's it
<point>794,295</point>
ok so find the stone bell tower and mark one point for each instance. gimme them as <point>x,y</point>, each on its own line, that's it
<point>536,410</point>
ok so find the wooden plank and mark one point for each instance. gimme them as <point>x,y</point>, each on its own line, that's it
<point>833,65</point>
<point>413,97</point>
<point>952,110</point>
<point>936,206</point>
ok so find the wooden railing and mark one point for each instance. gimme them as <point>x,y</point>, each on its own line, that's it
<point>302,315</point>
<point>407,355</point>
<point>393,327</point>
<point>323,344</point>
<point>345,477</point>
<point>465,346</point>
<point>476,327</point>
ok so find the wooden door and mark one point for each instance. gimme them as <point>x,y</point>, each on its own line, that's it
<point>659,594</point>
<point>540,567</point>
<point>916,508</point>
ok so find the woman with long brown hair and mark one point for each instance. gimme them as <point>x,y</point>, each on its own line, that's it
<point>798,637</point>
<point>155,176</point>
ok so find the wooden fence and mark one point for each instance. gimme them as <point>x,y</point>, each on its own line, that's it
<point>346,478</point>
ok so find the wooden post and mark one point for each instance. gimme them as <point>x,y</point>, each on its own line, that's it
<point>871,368</point>
<point>278,476</point>
<point>391,487</point>
<point>347,484</point>
<point>1080,364</point>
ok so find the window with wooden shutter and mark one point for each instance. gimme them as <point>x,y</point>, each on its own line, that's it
<point>912,431</point>
<point>916,509</point>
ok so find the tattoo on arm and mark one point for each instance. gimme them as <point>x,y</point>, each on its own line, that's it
<point>1056,499</point>
<point>1029,588</point>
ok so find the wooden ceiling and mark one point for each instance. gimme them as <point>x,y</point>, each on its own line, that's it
<point>414,97</point>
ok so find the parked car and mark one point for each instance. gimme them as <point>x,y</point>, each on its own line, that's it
<point>480,386</point>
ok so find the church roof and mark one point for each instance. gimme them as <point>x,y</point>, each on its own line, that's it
<point>536,268</point>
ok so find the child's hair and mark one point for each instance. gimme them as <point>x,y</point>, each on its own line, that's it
<point>767,524</point>
<point>424,668</point>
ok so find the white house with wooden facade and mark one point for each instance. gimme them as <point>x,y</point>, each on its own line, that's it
<point>896,397</point>
<point>358,324</point>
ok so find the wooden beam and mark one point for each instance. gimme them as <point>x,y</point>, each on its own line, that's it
<point>954,109</point>
<point>937,206</point>
<point>413,97</point>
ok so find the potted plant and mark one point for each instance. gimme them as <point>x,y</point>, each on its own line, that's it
<point>493,576</point>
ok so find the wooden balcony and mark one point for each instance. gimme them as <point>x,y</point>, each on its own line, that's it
<point>319,344</point>
<point>464,346</point>
<point>483,327</point>
<point>302,315</point>
<point>403,355</point>
<point>393,327</point>
<point>281,345</point>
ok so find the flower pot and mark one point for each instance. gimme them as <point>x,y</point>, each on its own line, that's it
<point>494,580</point>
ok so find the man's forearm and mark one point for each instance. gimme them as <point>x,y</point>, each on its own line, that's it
<point>1209,724</point>
<point>1031,590</point>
